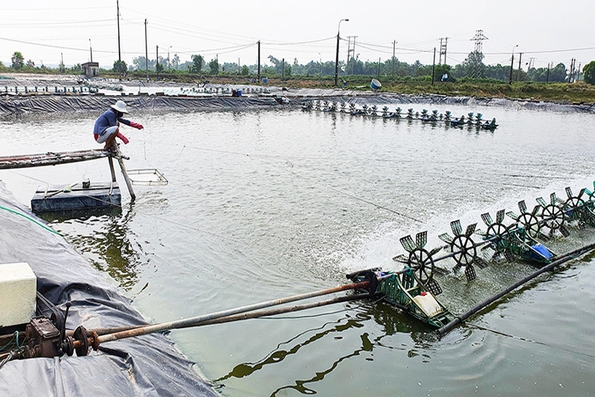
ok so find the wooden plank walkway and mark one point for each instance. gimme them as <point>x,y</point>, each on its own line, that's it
<point>50,158</point>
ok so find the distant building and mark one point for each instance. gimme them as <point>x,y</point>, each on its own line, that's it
<point>90,69</point>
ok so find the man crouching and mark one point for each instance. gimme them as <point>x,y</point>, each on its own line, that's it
<point>107,126</point>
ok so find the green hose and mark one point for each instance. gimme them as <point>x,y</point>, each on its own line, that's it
<point>31,219</point>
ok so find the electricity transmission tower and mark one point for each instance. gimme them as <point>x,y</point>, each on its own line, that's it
<point>477,60</point>
<point>443,44</point>
<point>350,51</point>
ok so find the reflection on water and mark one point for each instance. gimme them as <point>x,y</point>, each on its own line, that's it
<point>107,238</point>
<point>112,245</point>
<point>291,347</point>
<point>350,326</point>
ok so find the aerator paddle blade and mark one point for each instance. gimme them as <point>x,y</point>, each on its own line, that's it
<point>433,286</point>
<point>500,216</point>
<point>480,262</point>
<point>470,273</point>
<point>407,243</point>
<point>487,219</point>
<point>512,215</point>
<point>555,200</point>
<point>541,201</point>
<point>434,251</point>
<point>522,206</point>
<point>441,271</point>
<point>456,227</point>
<point>569,192</point>
<point>421,239</point>
<point>401,259</point>
<point>470,229</point>
<point>446,238</point>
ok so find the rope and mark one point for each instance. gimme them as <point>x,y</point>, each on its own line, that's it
<point>145,151</point>
<point>13,341</point>
<point>17,350</point>
<point>30,219</point>
<point>286,161</point>
<point>523,339</point>
<point>7,359</point>
<point>377,205</point>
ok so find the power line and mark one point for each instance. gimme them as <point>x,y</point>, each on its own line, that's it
<point>300,42</point>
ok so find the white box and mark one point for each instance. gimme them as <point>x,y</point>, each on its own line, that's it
<point>18,289</point>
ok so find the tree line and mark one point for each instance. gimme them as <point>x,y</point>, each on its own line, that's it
<point>471,68</point>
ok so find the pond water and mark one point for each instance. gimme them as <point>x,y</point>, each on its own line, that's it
<point>266,204</point>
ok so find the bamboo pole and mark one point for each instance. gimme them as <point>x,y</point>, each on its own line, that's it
<point>111,167</point>
<point>50,158</point>
<point>123,168</point>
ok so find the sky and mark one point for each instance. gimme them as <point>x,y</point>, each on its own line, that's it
<point>544,31</point>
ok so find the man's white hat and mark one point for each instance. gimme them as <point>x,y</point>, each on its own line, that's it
<point>120,106</point>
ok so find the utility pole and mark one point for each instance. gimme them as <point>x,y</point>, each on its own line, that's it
<point>168,62</point>
<point>394,46</point>
<point>511,68</point>
<point>434,63</point>
<point>118,15</point>
<point>157,61</point>
<point>547,78</point>
<point>337,53</point>
<point>91,50</point>
<point>258,75</point>
<point>512,64</point>
<point>518,74</point>
<point>146,51</point>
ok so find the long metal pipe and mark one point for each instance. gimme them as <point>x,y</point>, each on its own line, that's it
<point>242,316</point>
<point>562,259</point>
<point>189,322</point>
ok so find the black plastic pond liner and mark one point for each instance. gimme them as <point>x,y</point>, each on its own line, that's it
<point>145,366</point>
<point>96,104</point>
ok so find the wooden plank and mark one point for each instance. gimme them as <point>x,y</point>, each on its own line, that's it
<point>50,158</point>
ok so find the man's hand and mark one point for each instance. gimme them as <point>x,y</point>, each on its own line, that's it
<point>136,125</point>
<point>123,138</point>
